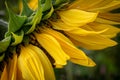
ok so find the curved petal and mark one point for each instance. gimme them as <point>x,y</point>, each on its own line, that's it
<point>48,70</point>
<point>53,48</point>
<point>105,21</point>
<point>33,4</point>
<point>30,65</point>
<point>83,32</point>
<point>60,25</point>
<point>110,32</point>
<point>92,42</point>
<point>10,70</point>
<point>4,75</point>
<point>111,17</point>
<point>75,16</point>
<point>113,4</point>
<point>84,4</point>
<point>13,68</point>
<point>80,61</point>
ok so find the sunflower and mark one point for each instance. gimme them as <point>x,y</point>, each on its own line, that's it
<point>47,33</point>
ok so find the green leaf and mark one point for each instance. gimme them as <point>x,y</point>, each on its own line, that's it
<point>18,37</point>
<point>2,56</point>
<point>15,22</point>
<point>26,10</point>
<point>47,5</point>
<point>3,28</point>
<point>48,15</point>
<point>4,44</point>
<point>36,19</point>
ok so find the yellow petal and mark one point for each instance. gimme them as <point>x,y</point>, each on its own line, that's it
<point>33,4</point>
<point>108,6</point>
<point>89,62</point>
<point>111,17</point>
<point>73,29</point>
<point>69,48</point>
<point>93,5</point>
<point>56,34</point>
<point>13,68</point>
<point>75,16</point>
<point>110,32</point>
<point>19,74</point>
<point>92,42</point>
<point>30,65</point>
<point>102,3</point>
<point>53,48</point>
<point>4,75</point>
<point>83,32</point>
<point>105,21</point>
<point>48,70</point>
<point>60,25</point>
<point>10,70</point>
<point>84,4</point>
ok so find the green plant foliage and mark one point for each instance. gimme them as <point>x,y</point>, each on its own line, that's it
<point>36,19</point>
<point>4,44</point>
<point>15,22</point>
<point>48,15</point>
<point>26,11</point>
<point>47,5</point>
<point>2,56</point>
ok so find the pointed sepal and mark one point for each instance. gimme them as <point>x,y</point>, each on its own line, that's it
<point>2,56</point>
<point>48,15</point>
<point>57,2</point>
<point>47,5</point>
<point>4,44</point>
<point>17,37</point>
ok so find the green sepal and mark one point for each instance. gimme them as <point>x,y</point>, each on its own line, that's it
<point>15,22</point>
<point>36,19</point>
<point>2,56</point>
<point>47,5</point>
<point>48,15</point>
<point>18,37</point>
<point>58,2</point>
<point>4,44</point>
<point>26,11</point>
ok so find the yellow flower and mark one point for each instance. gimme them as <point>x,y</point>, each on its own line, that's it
<point>84,23</point>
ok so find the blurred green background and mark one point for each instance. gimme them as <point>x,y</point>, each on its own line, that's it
<point>107,60</point>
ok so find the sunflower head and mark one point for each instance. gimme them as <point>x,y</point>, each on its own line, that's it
<point>47,34</point>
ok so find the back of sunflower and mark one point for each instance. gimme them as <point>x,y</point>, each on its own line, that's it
<point>47,33</point>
